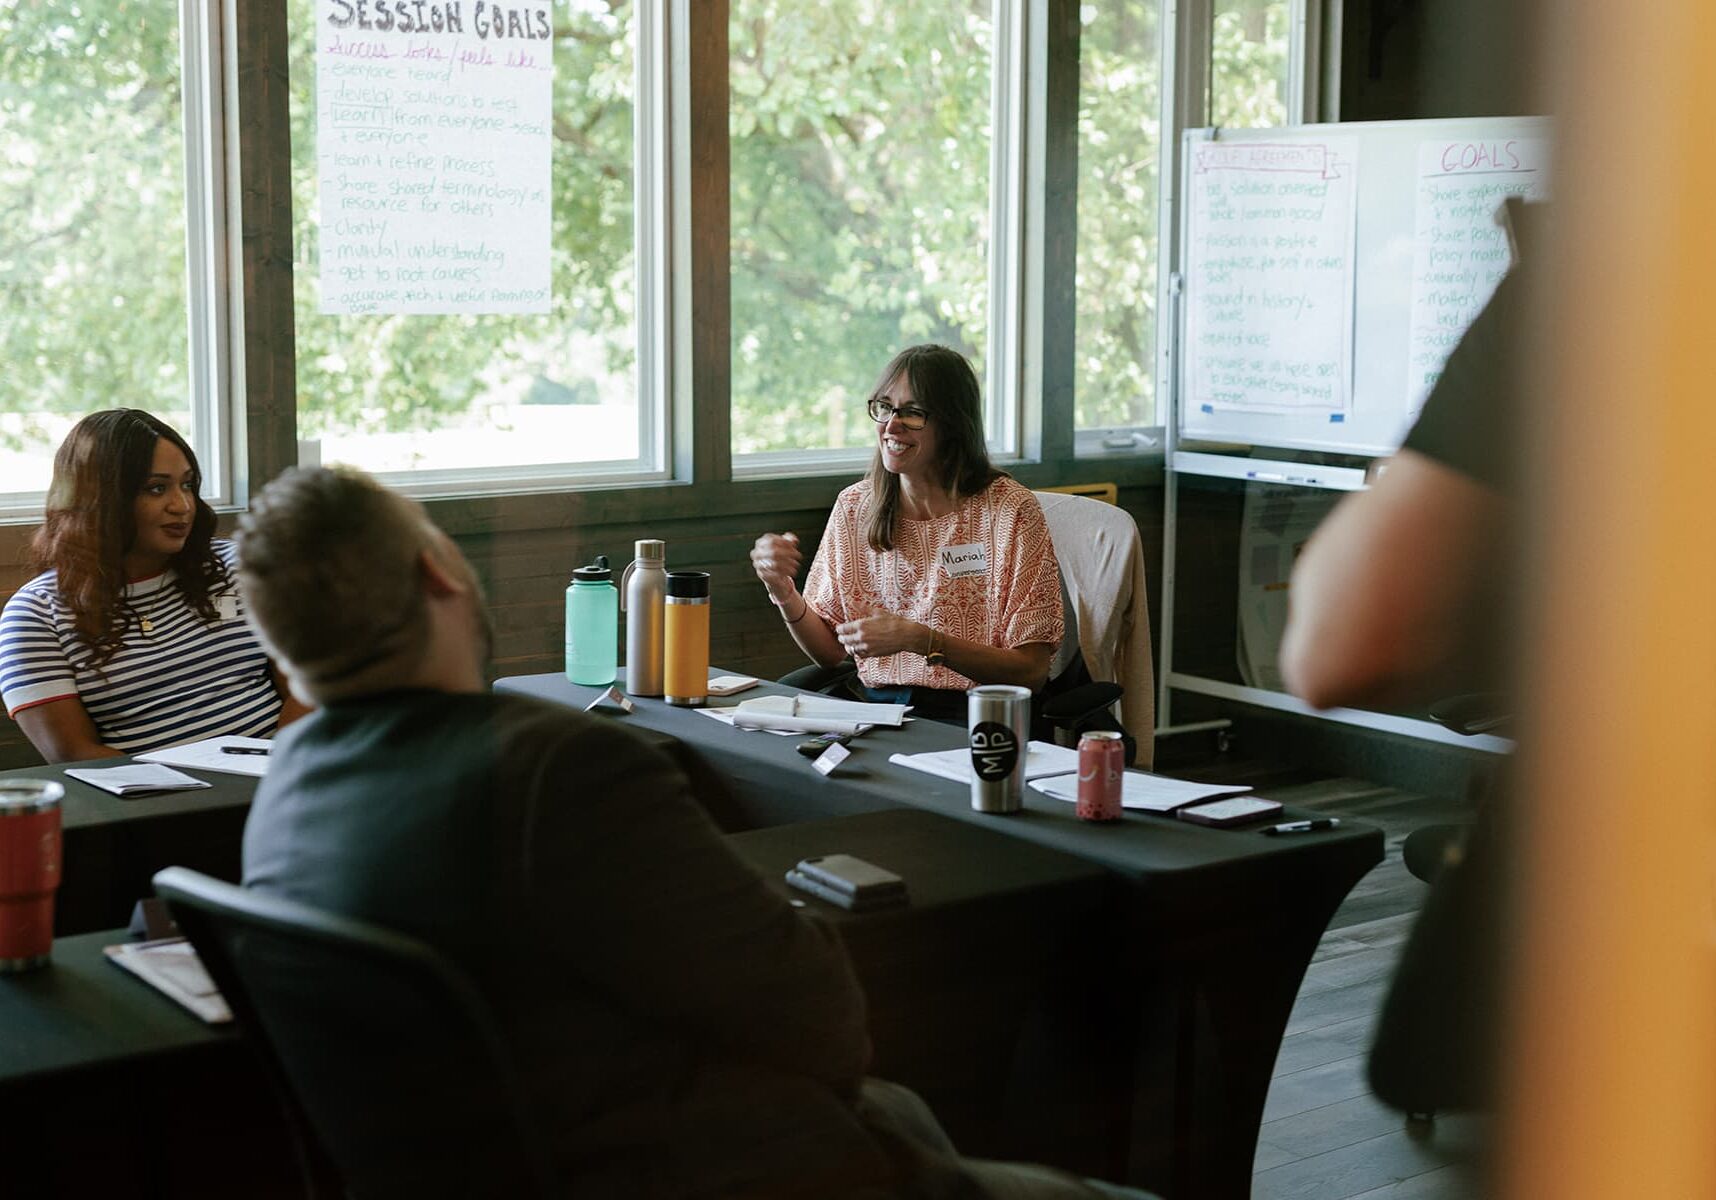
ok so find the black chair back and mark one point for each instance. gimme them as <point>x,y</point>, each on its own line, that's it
<point>386,1048</point>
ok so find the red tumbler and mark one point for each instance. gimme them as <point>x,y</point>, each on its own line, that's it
<point>29,870</point>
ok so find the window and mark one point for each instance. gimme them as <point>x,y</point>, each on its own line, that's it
<point>1248,63</point>
<point>107,251</point>
<point>861,208</point>
<point>465,401</point>
<point>1119,143</point>
<point>884,161</point>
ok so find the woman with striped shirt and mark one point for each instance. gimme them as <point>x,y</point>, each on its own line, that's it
<point>133,637</point>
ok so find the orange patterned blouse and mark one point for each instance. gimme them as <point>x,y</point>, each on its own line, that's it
<point>985,572</point>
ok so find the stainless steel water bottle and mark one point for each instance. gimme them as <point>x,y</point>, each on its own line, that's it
<point>999,722</point>
<point>643,598</point>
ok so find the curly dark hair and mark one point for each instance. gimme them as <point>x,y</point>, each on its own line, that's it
<point>945,386</point>
<point>90,525</point>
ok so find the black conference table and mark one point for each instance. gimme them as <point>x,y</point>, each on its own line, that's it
<point>1213,930</point>
<point>1208,940</point>
<point>92,1057</point>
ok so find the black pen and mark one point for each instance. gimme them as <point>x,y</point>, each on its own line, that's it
<point>244,749</point>
<point>1304,826</point>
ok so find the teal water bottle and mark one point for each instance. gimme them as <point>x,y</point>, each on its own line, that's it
<point>592,624</point>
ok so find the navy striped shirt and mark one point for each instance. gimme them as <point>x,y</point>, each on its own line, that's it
<point>175,678</point>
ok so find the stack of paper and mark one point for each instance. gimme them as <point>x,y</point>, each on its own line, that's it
<point>1141,790</point>
<point>172,967</point>
<point>136,779</point>
<point>815,714</point>
<point>1041,758</point>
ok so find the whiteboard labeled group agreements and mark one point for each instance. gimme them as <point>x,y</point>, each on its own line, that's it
<point>1269,263</point>
<point>433,150</point>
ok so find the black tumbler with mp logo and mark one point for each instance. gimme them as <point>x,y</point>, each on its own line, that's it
<point>999,724</point>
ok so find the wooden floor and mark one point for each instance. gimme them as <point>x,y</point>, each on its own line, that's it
<point>1324,1136</point>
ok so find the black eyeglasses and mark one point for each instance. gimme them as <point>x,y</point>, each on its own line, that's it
<point>910,415</point>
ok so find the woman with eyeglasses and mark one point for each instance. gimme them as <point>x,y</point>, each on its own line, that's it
<point>134,637</point>
<point>935,571</point>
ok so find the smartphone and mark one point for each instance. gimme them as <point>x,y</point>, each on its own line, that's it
<point>848,882</point>
<point>1237,810</point>
<point>813,747</point>
<point>727,685</point>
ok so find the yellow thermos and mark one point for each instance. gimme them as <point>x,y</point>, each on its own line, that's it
<point>686,632</point>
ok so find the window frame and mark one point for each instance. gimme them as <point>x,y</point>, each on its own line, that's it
<point>212,308</point>
<point>242,239</point>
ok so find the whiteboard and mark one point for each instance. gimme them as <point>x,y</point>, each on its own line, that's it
<point>1422,252</point>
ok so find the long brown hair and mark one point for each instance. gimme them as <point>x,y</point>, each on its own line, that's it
<point>944,386</point>
<point>91,524</point>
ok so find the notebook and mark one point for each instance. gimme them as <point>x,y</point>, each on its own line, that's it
<point>136,779</point>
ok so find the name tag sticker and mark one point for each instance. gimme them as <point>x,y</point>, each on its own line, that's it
<point>970,559</point>
<point>226,607</point>
<point>831,758</point>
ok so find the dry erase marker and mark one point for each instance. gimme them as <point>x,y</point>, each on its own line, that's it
<point>1310,826</point>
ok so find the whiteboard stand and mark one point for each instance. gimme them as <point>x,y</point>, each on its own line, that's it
<point>1394,162</point>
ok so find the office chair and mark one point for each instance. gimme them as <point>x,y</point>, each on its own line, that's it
<point>1434,1048</point>
<point>1108,624</point>
<point>386,1055</point>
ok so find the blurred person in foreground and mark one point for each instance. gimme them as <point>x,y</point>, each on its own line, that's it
<point>682,1030</point>
<point>1405,595</point>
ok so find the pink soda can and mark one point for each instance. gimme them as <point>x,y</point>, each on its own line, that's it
<point>1101,764</point>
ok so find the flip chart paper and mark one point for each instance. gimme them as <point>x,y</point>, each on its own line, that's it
<point>1459,253</point>
<point>1272,231</point>
<point>432,149</point>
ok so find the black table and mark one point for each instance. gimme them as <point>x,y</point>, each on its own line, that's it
<point>113,847</point>
<point>108,1088</point>
<point>1214,931</point>
<point>961,986</point>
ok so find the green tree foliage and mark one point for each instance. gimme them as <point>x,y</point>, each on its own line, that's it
<point>92,213</point>
<point>860,214</point>
<point>394,372</point>
<point>1119,162</point>
<point>860,204</point>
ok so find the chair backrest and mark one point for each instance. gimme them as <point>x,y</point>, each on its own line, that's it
<point>386,1047</point>
<point>1102,574</point>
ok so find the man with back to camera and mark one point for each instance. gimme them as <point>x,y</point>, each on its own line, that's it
<point>682,1030</point>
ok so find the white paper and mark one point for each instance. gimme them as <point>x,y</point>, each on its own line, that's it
<point>173,968</point>
<point>1041,758</point>
<point>725,716</point>
<point>1269,262</point>
<point>432,151</point>
<point>208,755</point>
<point>136,779</point>
<point>1460,251</point>
<point>1142,790</point>
<point>857,711</point>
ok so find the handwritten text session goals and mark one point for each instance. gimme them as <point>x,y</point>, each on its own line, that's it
<point>433,151</point>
